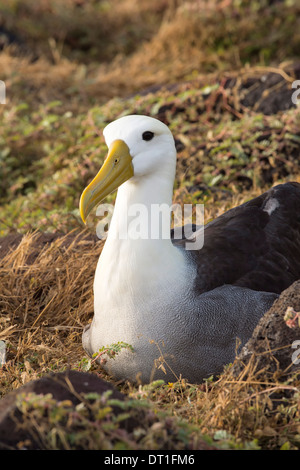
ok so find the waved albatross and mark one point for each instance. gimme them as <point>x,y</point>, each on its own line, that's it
<point>185,306</point>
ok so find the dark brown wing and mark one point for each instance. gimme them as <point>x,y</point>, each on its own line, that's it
<point>255,245</point>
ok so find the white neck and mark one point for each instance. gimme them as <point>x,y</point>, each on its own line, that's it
<point>132,266</point>
<point>136,202</point>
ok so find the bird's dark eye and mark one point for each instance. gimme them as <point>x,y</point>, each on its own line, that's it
<point>148,135</point>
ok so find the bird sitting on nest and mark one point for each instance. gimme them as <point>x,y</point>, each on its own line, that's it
<point>187,309</point>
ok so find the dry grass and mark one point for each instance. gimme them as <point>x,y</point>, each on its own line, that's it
<point>46,298</point>
<point>249,408</point>
<point>95,55</point>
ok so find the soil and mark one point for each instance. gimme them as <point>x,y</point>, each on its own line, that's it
<point>266,93</point>
<point>263,92</point>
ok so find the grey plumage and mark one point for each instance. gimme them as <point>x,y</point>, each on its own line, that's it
<point>194,341</point>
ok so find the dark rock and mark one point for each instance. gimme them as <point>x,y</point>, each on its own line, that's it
<point>70,385</point>
<point>276,339</point>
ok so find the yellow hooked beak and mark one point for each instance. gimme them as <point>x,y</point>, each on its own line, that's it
<point>116,169</point>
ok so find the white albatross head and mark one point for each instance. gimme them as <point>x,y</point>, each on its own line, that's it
<point>138,146</point>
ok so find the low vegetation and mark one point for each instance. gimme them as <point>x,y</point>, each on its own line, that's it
<point>220,75</point>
